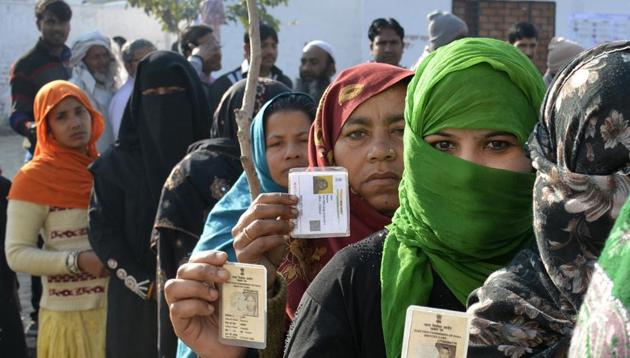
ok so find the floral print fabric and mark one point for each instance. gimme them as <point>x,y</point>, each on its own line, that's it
<point>603,326</point>
<point>581,151</point>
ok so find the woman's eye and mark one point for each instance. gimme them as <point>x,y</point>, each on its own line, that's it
<point>498,145</point>
<point>358,134</point>
<point>443,146</point>
<point>273,144</point>
<point>398,131</point>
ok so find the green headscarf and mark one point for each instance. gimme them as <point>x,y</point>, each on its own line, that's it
<point>460,219</point>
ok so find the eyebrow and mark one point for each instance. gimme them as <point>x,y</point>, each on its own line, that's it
<point>499,133</point>
<point>489,135</point>
<point>272,135</point>
<point>392,118</point>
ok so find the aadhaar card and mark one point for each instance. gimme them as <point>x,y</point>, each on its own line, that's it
<point>431,332</point>
<point>323,202</point>
<point>243,306</point>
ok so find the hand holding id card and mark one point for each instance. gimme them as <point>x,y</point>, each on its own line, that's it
<point>243,306</point>
<point>431,332</point>
<point>323,202</point>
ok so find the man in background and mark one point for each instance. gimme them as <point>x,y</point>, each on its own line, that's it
<point>444,28</point>
<point>268,69</point>
<point>524,36</point>
<point>386,41</point>
<point>198,44</point>
<point>46,62</point>
<point>561,52</point>
<point>317,66</point>
<point>132,53</point>
<point>95,71</point>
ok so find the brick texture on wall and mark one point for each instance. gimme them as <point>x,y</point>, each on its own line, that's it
<point>493,18</point>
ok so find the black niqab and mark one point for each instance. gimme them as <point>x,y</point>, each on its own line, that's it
<point>162,126</point>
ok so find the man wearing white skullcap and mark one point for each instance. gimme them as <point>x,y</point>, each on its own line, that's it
<point>316,68</point>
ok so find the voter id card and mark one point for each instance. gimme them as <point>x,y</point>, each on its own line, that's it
<point>323,202</point>
<point>243,306</point>
<point>431,332</point>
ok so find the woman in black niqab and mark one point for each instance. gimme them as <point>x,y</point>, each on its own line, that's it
<point>166,112</point>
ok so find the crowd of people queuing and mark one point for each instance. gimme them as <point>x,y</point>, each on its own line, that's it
<point>476,185</point>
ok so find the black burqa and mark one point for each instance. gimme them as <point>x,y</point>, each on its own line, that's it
<point>191,191</point>
<point>155,132</point>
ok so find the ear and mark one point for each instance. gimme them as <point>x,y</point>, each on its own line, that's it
<point>331,69</point>
<point>38,23</point>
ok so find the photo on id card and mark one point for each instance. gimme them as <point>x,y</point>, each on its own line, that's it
<point>243,306</point>
<point>435,333</point>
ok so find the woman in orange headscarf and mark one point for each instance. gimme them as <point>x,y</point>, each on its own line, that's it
<point>50,194</point>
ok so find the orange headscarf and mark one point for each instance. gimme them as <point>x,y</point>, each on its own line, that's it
<point>57,176</point>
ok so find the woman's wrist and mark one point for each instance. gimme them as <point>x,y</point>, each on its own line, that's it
<point>72,262</point>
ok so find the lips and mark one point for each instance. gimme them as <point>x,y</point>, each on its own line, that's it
<point>78,135</point>
<point>383,178</point>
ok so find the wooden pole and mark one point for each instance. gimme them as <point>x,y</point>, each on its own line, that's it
<point>245,113</point>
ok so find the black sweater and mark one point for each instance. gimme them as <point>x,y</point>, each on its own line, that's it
<point>340,313</point>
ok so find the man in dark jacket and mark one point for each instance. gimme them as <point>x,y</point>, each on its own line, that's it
<point>46,62</point>
<point>269,53</point>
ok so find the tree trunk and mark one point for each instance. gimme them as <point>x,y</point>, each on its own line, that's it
<point>245,113</point>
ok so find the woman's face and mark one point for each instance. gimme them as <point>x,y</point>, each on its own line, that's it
<point>286,139</point>
<point>370,147</point>
<point>499,150</point>
<point>70,124</point>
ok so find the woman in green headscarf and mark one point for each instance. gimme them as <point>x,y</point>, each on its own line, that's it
<point>465,205</point>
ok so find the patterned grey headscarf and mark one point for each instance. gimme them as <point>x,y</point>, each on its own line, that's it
<point>581,151</point>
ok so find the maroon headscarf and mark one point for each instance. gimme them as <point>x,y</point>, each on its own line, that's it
<point>351,88</point>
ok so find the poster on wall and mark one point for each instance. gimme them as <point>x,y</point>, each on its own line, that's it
<point>591,29</point>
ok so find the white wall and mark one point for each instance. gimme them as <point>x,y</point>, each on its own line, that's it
<point>566,8</point>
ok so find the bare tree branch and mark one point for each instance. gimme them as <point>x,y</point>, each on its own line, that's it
<point>245,113</point>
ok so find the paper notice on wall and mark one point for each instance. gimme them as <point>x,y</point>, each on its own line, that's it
<point>592,29</point>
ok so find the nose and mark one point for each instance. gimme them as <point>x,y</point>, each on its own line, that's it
<point>294,151</point>
<point>75,121</point>
<point>381,150</point>
<point>471,155</point>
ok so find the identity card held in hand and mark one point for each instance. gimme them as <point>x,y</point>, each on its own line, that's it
<point>323,202</point>
<point>431,332</point>
<point>243,306</point>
